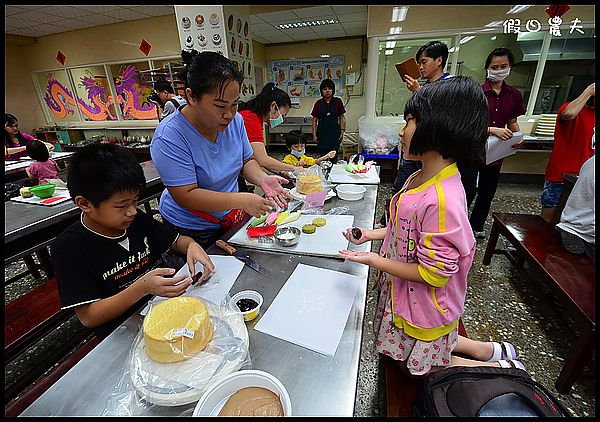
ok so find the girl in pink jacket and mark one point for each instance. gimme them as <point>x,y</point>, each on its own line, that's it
<point>428,244</point>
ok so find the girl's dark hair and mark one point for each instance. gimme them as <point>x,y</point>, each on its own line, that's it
<point>98,171</point>
<point>10,120</point>
<point>500,51</point>
<point>295,137</point>
<point>452,119</point>
<point>38,151</point>
<point>327,83</point>
<point>261,104</point>
<point>208,71</point>
<point>434,49</point>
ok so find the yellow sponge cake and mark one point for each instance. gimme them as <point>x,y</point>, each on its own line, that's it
<point>177,329</point>
<point>309,184</point>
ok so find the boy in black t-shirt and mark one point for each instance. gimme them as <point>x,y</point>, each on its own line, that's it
<point>104,261</point>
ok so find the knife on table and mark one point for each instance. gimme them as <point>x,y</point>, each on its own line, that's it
<point>244,258</point>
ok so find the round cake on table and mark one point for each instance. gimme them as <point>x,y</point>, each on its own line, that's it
<point>309,184</point>
<point>177,329</point>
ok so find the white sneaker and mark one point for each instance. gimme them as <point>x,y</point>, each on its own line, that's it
<point>479,235</point>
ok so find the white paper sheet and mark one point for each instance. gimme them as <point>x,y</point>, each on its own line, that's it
<point>311,309</point>
<point>227,270</point>
<point>496,148</point>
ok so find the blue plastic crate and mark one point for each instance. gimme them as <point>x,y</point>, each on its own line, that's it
<point>393,155</point>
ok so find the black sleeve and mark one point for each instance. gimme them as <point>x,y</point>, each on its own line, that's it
<point>160,236</point>
<point>76,283</point>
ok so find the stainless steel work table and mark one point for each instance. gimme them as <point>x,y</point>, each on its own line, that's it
<point>28,227</point>
<point>317,384</point>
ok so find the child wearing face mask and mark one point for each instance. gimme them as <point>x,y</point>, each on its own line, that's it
<point>296,142</point>
<point>505,105</point>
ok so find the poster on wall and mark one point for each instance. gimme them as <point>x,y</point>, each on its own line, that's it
<point>239,46</point>
<point>224,29</point>
<point>302,77</point>
<point>201,28</point>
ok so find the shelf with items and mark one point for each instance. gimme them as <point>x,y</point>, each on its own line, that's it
<point>59,136</point>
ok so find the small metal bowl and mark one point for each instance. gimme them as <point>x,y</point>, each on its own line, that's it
<point>283,236</point>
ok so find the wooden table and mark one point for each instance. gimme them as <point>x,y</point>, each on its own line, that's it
<point>570,277</point>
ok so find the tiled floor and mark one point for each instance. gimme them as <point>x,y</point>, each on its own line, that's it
<point>500,306</point>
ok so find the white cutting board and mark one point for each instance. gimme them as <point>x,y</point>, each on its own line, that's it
<point>311,309</point>
<point>326,241</point>
<point>60,196</point>
<point>339,174</point>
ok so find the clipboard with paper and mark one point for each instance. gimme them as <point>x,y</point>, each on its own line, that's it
<point>497,148</point>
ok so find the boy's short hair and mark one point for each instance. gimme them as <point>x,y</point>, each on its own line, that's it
<point>452,119</point>
<point>98,171</point>
<point>294,137</point>
<point>37,150</point>
<point>163,85</point>
<point>434,49</point>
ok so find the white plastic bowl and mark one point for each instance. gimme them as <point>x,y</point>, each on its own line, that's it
<point>250,314</point>
<point>351,192</point>
<point>215,397</point>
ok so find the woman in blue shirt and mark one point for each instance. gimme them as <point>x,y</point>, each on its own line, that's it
<point>201,149</point>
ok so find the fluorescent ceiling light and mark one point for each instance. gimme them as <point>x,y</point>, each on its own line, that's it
<point>389,52</point>
<point>464,40</point>
<point>390,44</point>
<point>306,24</point>
<point>519,8</point>
<point>493,24</point>
<point>325,55</point>
<point>399,13</point>
<point>395,30</point>
<point>451,50</point>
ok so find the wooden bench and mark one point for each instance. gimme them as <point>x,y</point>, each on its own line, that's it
<point>401,389</point>
<point>570,277</point>
<point>27,320</point>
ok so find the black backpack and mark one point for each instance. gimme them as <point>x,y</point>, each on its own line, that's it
<point>465,391</point>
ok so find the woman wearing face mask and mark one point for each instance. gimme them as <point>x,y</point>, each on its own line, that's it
<point>270,106</point>
<point>505,104</point>
<point>328,123</point>
<point>200,150</point>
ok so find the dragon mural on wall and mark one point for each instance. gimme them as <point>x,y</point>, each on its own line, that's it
<point>58,98</point>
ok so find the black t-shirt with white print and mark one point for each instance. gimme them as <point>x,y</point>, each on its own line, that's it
<point>90,266</point>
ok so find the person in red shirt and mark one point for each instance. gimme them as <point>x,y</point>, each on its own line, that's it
<point>573,145</point>
<point>505,104</point>
<point>271,105</point>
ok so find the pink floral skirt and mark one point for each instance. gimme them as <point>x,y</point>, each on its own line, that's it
<point>392,341</point>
